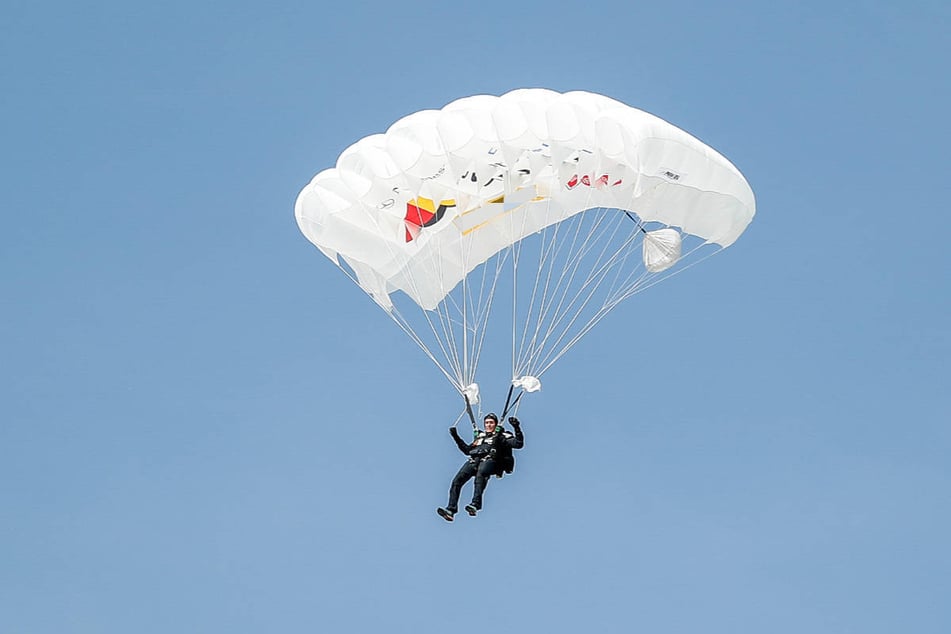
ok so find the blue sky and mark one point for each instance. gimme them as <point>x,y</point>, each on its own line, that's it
<point>205,427</point>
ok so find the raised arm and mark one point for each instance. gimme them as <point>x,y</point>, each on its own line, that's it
<point>518,441</point>
<point>463,446</point>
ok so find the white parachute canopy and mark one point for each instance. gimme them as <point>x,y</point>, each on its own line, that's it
<point>569,202</point>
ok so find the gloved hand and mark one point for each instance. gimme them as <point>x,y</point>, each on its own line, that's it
<point>453,432</point>
<point>514,421</point>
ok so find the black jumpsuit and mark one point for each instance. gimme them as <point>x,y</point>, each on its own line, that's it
<point>489,455</point>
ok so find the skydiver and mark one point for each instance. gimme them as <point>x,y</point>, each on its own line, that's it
<point>490,453</point>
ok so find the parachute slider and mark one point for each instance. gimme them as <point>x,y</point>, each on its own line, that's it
<point>471,393</point>
<point>527,383</point>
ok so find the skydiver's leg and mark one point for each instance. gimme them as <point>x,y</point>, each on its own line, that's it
<point>487,469</point>
<point>464,475</point>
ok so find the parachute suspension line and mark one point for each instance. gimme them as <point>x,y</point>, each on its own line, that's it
<point>618,266</point>
<point>596,278</point>
<point>399,320</point>
<point>597,317</point>
<point>644,281</point>
<point>555,314</point>
<point>636,287</point>
<point>452,341</point>
<point>457,315</point>
<point>481,306</point>
<point>576,258</point>
<point>393,312</point>
<point>442,334</point>
<point>403,323</point>
<point>573,257</point>
<point>467,412</point>
<point>461,305</point>
<point>516,249</point>
<point>539,302</point>
<point>474,313</point>
<point>548,247</point>
<point>465,380</point>
<point>600,272</point>
<point>461,354</point>
<point>587,259</point>
<point>557,300</point>
<point>459,310</point>
<point>544,248</point>
<point>515,289</point>
<point>463,310</point>
<point>472,303</point>
<point>672,273</point>
<point>547,253</point>
<point>516,253</point>
<point>609,305</point>
<point>502,258</point>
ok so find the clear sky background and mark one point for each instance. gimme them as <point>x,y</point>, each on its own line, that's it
<point>206,427</point>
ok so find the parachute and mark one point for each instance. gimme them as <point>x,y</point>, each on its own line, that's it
<point>519,221</point>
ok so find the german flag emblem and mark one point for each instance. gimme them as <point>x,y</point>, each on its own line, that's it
<point>423,212</point>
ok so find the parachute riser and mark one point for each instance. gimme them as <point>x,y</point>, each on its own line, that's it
<point>514,403</point>
<point>475,427</point>
<point>510,405</point>
<point>508,399</point>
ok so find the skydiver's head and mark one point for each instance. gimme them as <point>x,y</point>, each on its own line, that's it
<point>490,422</point>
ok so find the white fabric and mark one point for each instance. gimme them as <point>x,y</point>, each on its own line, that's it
<point>510,166</point>
<point>570,202</point>
<point>528,383</point>
<point>471,391</point>
<point>661,249</point>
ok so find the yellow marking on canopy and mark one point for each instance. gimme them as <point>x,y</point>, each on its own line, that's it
<point>497,216</point>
